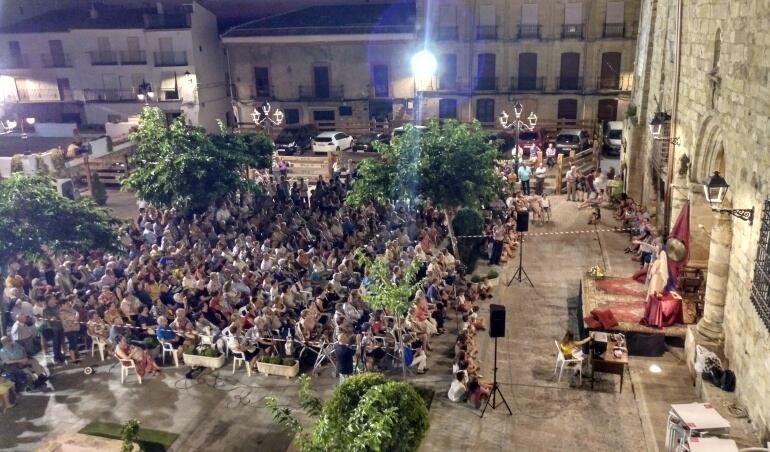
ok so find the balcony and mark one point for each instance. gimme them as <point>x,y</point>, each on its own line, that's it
<point>485,84</point>
<point>448,84</point>
<point>569,83</point>
<point>529,31</point>
<point>135,57</point>
<point>103,58</point>
<point>486,32</point>
<point>165,59</point>
<point>56,60</point>
<point>15,62</point>
<point>527,83</point>
<point>38,95</point>
<point>614,30</point>
<point>446,33</point>
<point>614,83</point>
<point>110,95</point>
<point>261,92</point>
<point>166,21</point>
<point>572,31</point>
<point>312,92</point>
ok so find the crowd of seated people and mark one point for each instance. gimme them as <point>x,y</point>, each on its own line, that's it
<point>246,275</point>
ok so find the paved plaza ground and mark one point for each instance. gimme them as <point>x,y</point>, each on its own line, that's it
<point>226,412</point>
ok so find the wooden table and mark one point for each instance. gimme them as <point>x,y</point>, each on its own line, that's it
<point>609,364</point>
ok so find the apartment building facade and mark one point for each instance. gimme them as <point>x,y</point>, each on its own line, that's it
<point>570,62</point>
<point>94,66</point>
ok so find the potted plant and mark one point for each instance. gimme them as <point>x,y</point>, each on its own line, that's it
<point>492,276</point>
<point>152,345</point>
<point>277,365</point>
<point>203,356</point>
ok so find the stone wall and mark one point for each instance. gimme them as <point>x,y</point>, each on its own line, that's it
<point>723,122</point>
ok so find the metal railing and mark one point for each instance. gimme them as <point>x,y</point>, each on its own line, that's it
<point>484,84</point>
<point>614,30</point>
<point>261,92</point>
<point>448,84</point>
<point>56,60</point>
<point>529,31</point>
<point>103,58</point>
<point>574,31</point>
<point>38,95</point>
<point>110,95</point>
<point>15,62</point>
<point>321,92</point>
<point>614,83</point>
<point>569,83</point>
<point>176,58</point>
<point>527,83</point>
<point>446,33</point>
<point>128,57</point>
<point>486,32</point>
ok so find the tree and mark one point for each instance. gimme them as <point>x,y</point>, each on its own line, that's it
<point>383,293</point>
<point>365,413</point>
<point>98,190</point>
<point>450,165</point>
<point>256,149</point>
<point>35,220</point>
<point>179,165</point>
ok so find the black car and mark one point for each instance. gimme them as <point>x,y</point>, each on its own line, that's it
<point>364,143</point>
<point>295,139</point>
<point>504,142</point>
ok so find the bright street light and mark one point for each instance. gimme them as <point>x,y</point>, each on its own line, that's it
<point>424,64</point>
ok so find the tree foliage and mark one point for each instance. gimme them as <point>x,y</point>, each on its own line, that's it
<point>180,166</point>
<point>98,190</point>
<point>35,219</point>
<point>256,149</point>
<point>450,165</point>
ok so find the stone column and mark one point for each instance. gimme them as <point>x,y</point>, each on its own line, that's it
<point>710,326</point>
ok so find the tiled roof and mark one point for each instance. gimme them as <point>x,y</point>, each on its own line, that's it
<point>336,19</point>
<point>107,18</point>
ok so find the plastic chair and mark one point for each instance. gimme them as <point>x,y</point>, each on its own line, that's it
<point>561,362</point>
<point>239,358</point>
<point>98,342</point>
<point>168,348</point>
<point>125,366</point>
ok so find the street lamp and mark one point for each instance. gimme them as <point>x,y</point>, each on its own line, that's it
<point>144,92</point>
<point>656,127</point>
<point>715,188</point>
<point>518,123</point>
<point>424,66</point>
<point>265,118</point>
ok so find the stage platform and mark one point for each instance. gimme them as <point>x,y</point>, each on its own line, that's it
<point>626,299</point>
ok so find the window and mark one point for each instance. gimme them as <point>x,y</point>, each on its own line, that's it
<point>485,110</point>
<point>447,23</point>
<point>485,79</point>
<point>567,111</point>
<point>447,79</point>
<point>261,82</point>
<point>291,115</point>
<point>447,109</point>
<point>321,82</point>
<point>346,110</point>
<point>323,115</point>
<point>530,25</point>
<point>569,73</point>
<point>760,286</point>
<point>528,72</point>
<point>607,110</point>
<point>380,80</point>
<point>168,86</point>
<point>573,21</point>
<point>487,27</point>
<point>614,21</point>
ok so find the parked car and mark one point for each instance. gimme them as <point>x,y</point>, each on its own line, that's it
<point>331,141</point>
<point>364,143</point>
<point>613,138</point>
<point>537,136</point>
<point>572,140</point>
<point>400,130</point>
<point>504,142</point>
<point>295,139</point>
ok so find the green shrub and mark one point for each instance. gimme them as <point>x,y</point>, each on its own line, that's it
<point>288,361</point>
<point>98,190</point>
<point>492,274</point>
<point>151,342</point>
<point>477,279</point>
<point>469,222</point>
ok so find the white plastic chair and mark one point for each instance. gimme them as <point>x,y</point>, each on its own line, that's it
<point>98,342</point>
<point>561,362</point>
<point>239,358</point>
<point>125,367</point>
<point>168,348</point>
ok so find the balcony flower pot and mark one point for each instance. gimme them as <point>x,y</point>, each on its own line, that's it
<point>204,361</point>
<point>266,368</point>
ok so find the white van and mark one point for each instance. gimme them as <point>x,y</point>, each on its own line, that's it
<point>613,138</point>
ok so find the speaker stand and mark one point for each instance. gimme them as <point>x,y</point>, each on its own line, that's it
<point>520,272</point>
<point>496,390</point>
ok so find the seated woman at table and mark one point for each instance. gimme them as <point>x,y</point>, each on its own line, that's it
<point>141,358</point>
<point>570,347</point>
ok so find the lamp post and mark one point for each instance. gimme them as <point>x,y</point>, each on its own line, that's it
<point>518,123</point>
<point>656,127</point>
<point>265,118</point>
<point>144,92</point>
<point>715,188</point>
<point>424,66</point>
<point>24,135</point>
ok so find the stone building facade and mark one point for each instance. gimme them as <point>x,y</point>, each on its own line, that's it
<point>570,61</point>
<point>707,64</point>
